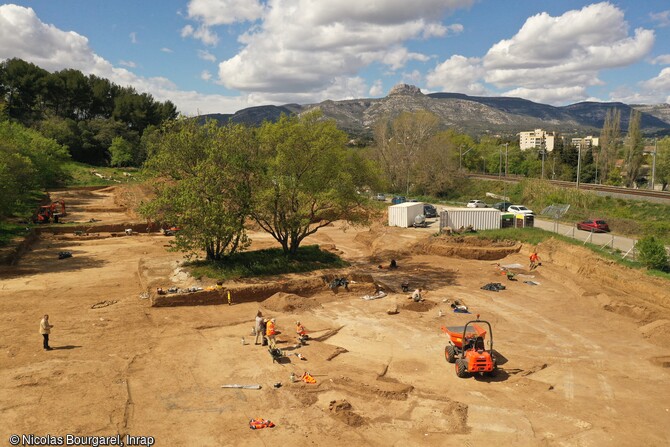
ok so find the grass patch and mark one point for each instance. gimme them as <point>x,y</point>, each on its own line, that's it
<point>267,262</point>
<point>531,236</point>
<point>9,231</point>
<point>80,174</point>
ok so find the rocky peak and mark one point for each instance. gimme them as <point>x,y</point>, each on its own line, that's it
<point>405,89</point>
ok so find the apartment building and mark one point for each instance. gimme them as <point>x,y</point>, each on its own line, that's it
<point>584,143</point>
<point>537,139</point>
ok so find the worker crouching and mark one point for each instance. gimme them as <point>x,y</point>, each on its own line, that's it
<point>301,333</point>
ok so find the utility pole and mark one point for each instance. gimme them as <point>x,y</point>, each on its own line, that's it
<point>500,165</point>
<point>579,162</point>
<point>542,151</point>
<point>653,164</point>
<point>506,144</point>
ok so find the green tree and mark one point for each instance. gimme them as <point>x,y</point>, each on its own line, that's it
<point>203,186</point>
<point>398,144</point>
<point>633,148</point>
<point>17,179</point>
<point>652,253</point>
<point>609,144</point>
<point>663,162</point>
<point>304,179</point>
<point>121,152</point>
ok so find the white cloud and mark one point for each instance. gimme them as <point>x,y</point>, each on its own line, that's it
<point>663,59</point>
<point>413,77</point>
<point>570,50</point>
<point>660,83</point>
<point>558,95</point>
<point>129,64</point>
<point>458,74</point>
<point>166,50</point>
<point>133,37</point>
<point>224,12</point>
<point>398,57</point>
<point>652,91</point>
<point>206,56</point>
<point>551,58</point>
<point>23,35</point>
<point>377,88</point>
<point>205,75</point>
<point>203,33</point>
<point>307,45</point>
<point>661,18</point>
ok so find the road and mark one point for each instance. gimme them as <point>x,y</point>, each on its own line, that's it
<point>615,241</point>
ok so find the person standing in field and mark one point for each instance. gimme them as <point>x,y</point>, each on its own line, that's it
<point>534,260</point>
<point>259,329</point>
<point>45,330</point>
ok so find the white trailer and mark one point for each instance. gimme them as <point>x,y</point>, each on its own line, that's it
<point>477,218</point>
<point>403,214</point>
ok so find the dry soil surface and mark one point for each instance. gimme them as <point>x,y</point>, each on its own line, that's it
<point>583,354</point>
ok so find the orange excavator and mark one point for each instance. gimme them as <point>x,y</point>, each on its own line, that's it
<point>53,211</point>
<point>467,350</point>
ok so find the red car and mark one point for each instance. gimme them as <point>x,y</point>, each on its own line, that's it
<point>595,225</point>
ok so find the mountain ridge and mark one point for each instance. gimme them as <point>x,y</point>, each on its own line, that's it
<point>475,115</point>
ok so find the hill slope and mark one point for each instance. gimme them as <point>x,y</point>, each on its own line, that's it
<point>470,114</point>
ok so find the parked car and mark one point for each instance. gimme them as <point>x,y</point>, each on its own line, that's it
<point>429,210</point>
<point>519,209</point>
<point>594,225</point>
<point>381,197</point>
<point>502,206</point>
<point>398,199</point>
<point>476,204</point>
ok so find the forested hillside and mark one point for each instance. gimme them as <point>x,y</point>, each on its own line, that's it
<point>98,121</point>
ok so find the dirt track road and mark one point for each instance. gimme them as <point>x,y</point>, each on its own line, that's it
<point>584,357</point>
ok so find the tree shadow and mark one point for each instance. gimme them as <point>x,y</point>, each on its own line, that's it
<point>422,275</point>
<point>46,256</point>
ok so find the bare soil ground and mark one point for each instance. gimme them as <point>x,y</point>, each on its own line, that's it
<point>584,354</point>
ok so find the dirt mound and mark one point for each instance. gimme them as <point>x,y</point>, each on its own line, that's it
<point>468,247</point>
<point>638,313</point>
<point>421,306</point>
<point>656,329</point>
<point>289,302</point>
<point>342,411</point>
<point>606,272</point>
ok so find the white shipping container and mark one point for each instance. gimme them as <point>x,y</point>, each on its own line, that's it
<point>478,218</point>
<point>403,214</point>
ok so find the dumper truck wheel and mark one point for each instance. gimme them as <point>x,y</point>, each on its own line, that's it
<point>450,354</point>
<point>461,368</point>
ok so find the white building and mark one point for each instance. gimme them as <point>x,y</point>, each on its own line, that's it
<point>537,139</point>
<point>585,143</point>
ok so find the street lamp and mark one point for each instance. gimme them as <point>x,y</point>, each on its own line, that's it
<point>460,158</point>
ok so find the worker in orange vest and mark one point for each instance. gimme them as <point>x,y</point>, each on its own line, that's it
<point>534,260</point>
<point>270,333</point>
<point>302,333</point>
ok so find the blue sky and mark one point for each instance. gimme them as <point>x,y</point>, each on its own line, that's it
<point>211,56</point>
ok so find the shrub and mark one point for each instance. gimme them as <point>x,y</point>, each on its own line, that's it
<point>652,253</point>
